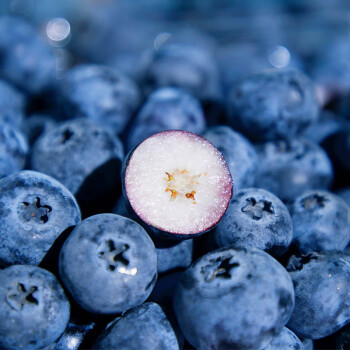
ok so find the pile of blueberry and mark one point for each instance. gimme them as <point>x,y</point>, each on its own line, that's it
<point>174,175</point>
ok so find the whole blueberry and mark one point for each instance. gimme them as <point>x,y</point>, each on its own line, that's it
<point>288,168</point>
<point>166,109</point>
<point>143,327</point>
<point>22,49</point>
<point>13,149</point>
<point>34,210</point>
<point>272,105</point>
<point>286,340</point>
<point>233,299</point>
<point>108,264</point>
<point>321,221</point>
<point>34,309</point>
<point>255,218</point>
<point>321,282</point>
<point>184,66</point>
<point>238,152</point>
<point>99,93</point>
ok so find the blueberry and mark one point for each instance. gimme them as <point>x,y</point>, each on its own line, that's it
<point>321,283</point>
<point>13,150</point>
<point>34,210</point>
<point>345,194</point>
<point>239,154</point>
<point>255,218</point>
<point>143,327</point>
<point>288,168</point>
<point>233,299</point>
<point>109,264</point>
<point>22,48</point>
<point>286,340</point>
<point>167,109</point>
<point>321,221</point>
<point>34,309</point>
<point>36,125</point>
<point>273,104</point>
<point>99,93</point>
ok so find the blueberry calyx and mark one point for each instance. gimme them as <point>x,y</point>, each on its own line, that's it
<point>113,255</point>
<point>314,201</point>
<point>218,268</point>
<point>35,211</point>
<point>257,209</point>
<point>19,295</point>
<point>297,263</point>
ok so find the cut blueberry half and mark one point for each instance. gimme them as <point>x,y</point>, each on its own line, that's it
<point>177,183</point>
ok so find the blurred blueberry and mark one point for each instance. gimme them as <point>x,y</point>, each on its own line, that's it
<point>273,104</point>
<point>321,283</point>
<point>144,327</point>
<point>120,208</point>
<point>166,109</point>
<point>289,168</point>
<point>255,218</point>
<point>321,221</point>
<point>233,299</point>
<point>345,194</point>
<point>35,311</point>
<point>99,93</point>
<point>26,60</point>
<point>13,149</point>
<point>238,152</point>
<point>34,210</point>
<point>37,124</point>
<point>108,264</point>
<point>286,340</point>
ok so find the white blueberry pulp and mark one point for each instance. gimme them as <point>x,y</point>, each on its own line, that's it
<point>178,182</point>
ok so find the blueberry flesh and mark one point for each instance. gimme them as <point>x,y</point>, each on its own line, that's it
<point>100,94</point>
<point>108,264</point>
<point>255,218</point>
<point>167,109</point>
<point>321,221</point>
<point>288,168</point>
<point>143,327</point>
<point>271,105</point>
<point>21,48</point>
<point>13,150</point>
<point>321,282</point>
<point>34,309</point>
<point>233,299</point>
<point>286,340</point>
<point>34,210</point>
<point>238,152</point>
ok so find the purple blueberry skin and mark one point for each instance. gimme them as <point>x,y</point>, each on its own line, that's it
<point>238,152</point>
<point>166,109</point>
<point>143,327</point>
<point>274,104</point>
<point>322,302</point>
<point>101,94</point>
<point>108,264</point>
<point>286,340</point>
<point>321,221</point>
<point>20,66</point>
<point>35,311</point>
<point>233,299</point>
<point>255,218</point>
<point>34,210</point>
<point>288,168</point>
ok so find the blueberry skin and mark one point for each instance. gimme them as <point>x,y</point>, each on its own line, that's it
<point>108,264</point>
<point>34,210</point>
<point>238,152</point>
<point>34,309</point>
<point>184,66</point>
<point>143,327</point>
<point>12,104</point>
<point>273,105</point>
<point>345,194</point>
<point>167,109</point>
<point>13,150</point>
<point>73,150</point>
<point>36,125</point>
<point>286,340</point>
<point>233,299</point>
<point>322,283</point>
<point>99,93</point>
<point>255,218</point>
<point>22,48</point>
<point>288,168</point>
<point>321,221</point>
